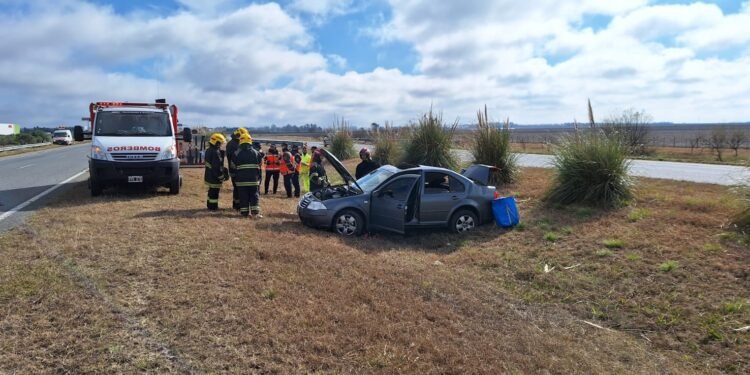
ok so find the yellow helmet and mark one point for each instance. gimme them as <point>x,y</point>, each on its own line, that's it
<point>245,138</point>
<point>217,138</point>
<point>240,131</point>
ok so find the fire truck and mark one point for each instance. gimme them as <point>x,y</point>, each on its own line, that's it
<point>133,144</point>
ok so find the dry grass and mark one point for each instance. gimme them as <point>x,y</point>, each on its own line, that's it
<point>143,281</point>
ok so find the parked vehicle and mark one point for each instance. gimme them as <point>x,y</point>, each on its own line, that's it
<point>393,199</point>
<point>133,143</point>
<point>62,137</point>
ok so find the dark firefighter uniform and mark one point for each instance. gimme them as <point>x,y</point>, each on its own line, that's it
<point>248,161</point>
<point>215,173</point>
<point>232,147</point>
<point>318,178</point>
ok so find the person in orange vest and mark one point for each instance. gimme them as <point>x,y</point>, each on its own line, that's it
<point>288,168</point>
<point>273,164</point>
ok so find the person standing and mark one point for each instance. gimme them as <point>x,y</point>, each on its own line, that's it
<point>214,174</point>
<point>304,171</point>
<point>367,165</point>
<point>232,146</point>
<point>273,164</point>
<point>248,161</point>
<point>318,178</point>
<point>288,169</point>
<point>297,170</point>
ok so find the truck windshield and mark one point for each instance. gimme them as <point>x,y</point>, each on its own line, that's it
<point>133,124</point>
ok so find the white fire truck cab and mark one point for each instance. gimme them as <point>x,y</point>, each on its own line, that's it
<point>133,144</point>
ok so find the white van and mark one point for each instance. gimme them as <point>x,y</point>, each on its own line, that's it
<point>62,137</point>
<point>133,144</point>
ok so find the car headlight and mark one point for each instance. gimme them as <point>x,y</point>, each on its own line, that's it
<point>170,152</point>
<point>316,206</point>
<point>98,153</point>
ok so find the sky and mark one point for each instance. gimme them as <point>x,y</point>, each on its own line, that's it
<point>256,63</point>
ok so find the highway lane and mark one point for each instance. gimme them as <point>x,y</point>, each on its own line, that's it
<point>25,176</point>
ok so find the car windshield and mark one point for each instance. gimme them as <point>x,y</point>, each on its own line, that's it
<point>128,124</point>
<point>61,134</point>
<point>369,182</point>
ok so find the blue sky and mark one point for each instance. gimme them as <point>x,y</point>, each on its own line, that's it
<point>245,62</point>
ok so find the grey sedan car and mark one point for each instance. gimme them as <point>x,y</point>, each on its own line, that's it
<point>395,200</point>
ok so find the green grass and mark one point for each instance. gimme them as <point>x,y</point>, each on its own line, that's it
<point>633,257</point>
<point>614,244</point>
<point>492,147</point>
<point>430,141</point>
<point>733,307</point>
<point>342,143</point>
<point>592,169</point>
<point>602,253</point>
<point>270,294</point>
<point>712,247</point>
<point>638,214</point>
<point>551,236</point>
<point>521,226</point>
<point>668,266</point>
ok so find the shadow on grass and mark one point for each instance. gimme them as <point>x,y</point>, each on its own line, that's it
<point>191,213</point>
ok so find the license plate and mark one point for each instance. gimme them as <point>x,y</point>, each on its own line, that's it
<point>135,179</point>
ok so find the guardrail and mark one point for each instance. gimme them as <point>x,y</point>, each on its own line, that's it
<point>11,148</point>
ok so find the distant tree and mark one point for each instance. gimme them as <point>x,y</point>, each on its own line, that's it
<point>717,142</point>
<point>631,127</point>
<point>696,142</point>
<point>736,140</point>
<point>374,127</point>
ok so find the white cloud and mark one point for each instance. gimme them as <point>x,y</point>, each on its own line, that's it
<point>228,63</point>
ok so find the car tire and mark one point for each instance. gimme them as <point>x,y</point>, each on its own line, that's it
<point>463,221</point>
<point>348,223</point>
<point>96,189</point>
<point>174,186</point>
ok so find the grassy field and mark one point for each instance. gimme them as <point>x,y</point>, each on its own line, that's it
<point>682,154</point>
<point>151,282</point>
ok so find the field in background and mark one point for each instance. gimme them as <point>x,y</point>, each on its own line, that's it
<point>153,282</point>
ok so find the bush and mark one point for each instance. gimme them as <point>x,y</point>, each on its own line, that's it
<point>387,147</point>
<point>632,127</point>
<point>430,141</point>
<point>342,143</point>
<point>742,219</point>
<point>35,136</point>
<point>591,168</point>
<point>492,147</point>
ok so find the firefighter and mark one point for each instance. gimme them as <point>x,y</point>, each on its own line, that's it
<point>231,148</point>
<point>297,170</point>
<point>288,168</point>
<point>318,178</point>
<point>247,161</point>
<point>304,171</point>
<point>367,165</point>
<point>215,173</point>
<point>273,164</point>
<point>256,146</point>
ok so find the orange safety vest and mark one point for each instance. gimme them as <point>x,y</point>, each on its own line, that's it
<point>298,162</point>
<point>272,163</point>
<point>287,167</point>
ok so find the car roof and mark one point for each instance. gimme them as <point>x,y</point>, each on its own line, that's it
<point>132,109</point>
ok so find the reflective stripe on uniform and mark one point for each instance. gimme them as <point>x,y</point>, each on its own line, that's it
<point>208,165</point>
<point>213,186</point>
<point>244,209</point>
<point>212,201</point>
<point>246,184</point>
<point>248,166</point>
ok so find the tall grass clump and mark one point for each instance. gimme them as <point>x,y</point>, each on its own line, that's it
<point>387,147</point>
<point>591,168</point>
<point>492,147</point>
<point>342,143</point>
<point>430,141</point>
<point>742,220</point>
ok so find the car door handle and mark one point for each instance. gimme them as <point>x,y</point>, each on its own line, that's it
<point>455,198</point>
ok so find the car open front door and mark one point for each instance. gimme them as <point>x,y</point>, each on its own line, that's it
<point>389,203</point>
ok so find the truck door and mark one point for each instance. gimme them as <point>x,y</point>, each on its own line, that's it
<point>388,204</point>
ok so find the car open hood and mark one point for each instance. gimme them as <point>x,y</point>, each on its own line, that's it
<point>348,178</point>
<point>479,173</point>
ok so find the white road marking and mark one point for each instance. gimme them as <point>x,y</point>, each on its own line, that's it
<point>25,166</point>
<point>39,196</point>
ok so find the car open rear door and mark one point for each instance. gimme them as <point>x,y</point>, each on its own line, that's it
<point>389,203</point>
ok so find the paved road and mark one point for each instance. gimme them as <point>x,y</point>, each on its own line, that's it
<point>25,176</point>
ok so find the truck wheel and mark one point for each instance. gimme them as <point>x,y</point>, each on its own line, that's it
<point>463,221</point>
<point>348,223</point>
<point>174,186</point>
<point>96,189</point>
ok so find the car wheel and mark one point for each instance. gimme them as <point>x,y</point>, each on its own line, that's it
<point>174,186</point>
<point>348,223</point>
<point>464,221</point>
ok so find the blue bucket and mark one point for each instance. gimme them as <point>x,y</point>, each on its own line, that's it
<point>506,212</point>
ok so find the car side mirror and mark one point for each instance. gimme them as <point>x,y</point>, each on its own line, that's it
<point>187,135</point>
